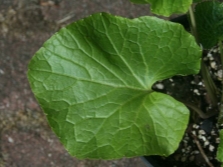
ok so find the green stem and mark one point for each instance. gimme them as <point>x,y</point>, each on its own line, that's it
<point>198,111</point>
<point>209,83</point>
<point>193,23</point>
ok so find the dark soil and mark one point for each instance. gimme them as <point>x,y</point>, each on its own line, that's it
<point>25,138</point>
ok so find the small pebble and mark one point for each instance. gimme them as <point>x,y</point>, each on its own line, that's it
<point>2,72</point>
<point>203,138</point>
<point>201,132</point>
<point>211,148</point>
<point>159,86</point>
<point>195,152</point>
<point>195,126</point>
<point>200,136</point>
<point>213,65</point>
<point>193,132</point>
<point>217,140</point>
<point>213,132</point>
<point>200,83</point>
<point>10,140</point>
<point>206,143</point>
<point>209,55</point>
<point>215,50</point>
<point>196,92</point>
<point>211,58</point>
<point>219,75</point>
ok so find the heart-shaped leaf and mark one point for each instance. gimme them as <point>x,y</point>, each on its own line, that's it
<point>166,7</point>
<point>209,20</point>
<point>94,80</point>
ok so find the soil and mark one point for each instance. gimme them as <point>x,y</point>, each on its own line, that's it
<point>25,138</point>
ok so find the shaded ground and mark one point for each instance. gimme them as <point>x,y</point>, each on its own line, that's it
<point>25,138</point>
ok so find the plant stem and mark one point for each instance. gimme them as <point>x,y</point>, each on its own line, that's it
<point>193,23</point>
<point>209,83</point>
<point>202,151</point>
<point>198,111</point>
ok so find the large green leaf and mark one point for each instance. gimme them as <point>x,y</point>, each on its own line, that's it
<point>209,20</point>
<point>220,148</point>
<point>166,7</point>
<point>94,80</point>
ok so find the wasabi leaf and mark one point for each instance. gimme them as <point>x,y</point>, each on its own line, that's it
<point>94,78</point>
<point>166,7</point>
<point>209,20</point>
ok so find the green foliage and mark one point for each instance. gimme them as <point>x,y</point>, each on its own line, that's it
<point>220,148</point>
<point>94,80</point>
<point>209,20</point>
<point>166,7</point>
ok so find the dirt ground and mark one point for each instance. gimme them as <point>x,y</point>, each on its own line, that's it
<point>25,138</point>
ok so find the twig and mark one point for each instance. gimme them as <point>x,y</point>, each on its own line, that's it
<point>65,18</point>
<point>202,151</point>
<point>198,111</point>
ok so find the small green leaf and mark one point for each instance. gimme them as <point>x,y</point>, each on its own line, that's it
<point>209,20</point>
<point>220,148</point>
<point>94,80</point>
<point>166,7</point>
